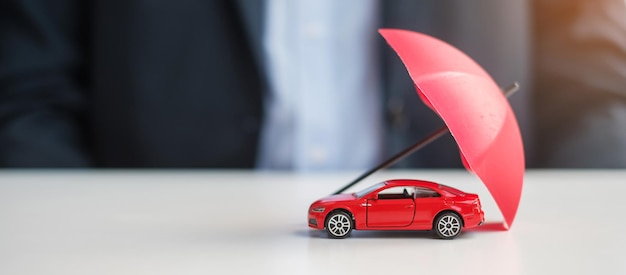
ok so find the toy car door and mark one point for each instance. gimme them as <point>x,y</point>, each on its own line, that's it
<point>427,203</point>
<point>391,207</point>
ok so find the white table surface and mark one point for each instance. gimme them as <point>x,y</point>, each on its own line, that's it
<point>237,222</point>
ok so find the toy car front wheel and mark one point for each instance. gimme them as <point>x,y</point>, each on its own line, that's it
<point>339,225</point>
<point>448,225</point>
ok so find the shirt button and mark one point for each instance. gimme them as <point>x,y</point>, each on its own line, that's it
<point>318,155</point>
<point>313,31</point>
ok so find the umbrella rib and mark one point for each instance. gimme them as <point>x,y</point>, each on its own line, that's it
<point>508,91</point>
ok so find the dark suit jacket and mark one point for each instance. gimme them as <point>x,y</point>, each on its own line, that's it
<point>179,83</point>
<point>580,92</point>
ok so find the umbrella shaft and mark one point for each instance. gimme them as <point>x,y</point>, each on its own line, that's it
<point>416,146</point>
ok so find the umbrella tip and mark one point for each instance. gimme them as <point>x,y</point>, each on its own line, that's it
<point>511,89</point>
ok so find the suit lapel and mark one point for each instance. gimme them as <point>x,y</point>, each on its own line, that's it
<point>252,14</point>
<point>402,14</point>
<point>406,117</point>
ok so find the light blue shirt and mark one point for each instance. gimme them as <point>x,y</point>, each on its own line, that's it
<point>323,105</point>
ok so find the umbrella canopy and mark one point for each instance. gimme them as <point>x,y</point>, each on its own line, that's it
<point>473,107</point>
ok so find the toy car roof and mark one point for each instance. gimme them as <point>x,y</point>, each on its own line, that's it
<point>427,184</point>
<point>413,182</point>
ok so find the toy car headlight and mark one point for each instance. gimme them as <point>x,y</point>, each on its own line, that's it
<point>318,209</point>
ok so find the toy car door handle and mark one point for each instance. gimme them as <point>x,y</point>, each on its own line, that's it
<point>365,204</point>
<point>409,206</point>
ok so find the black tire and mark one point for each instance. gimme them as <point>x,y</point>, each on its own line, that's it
<point>339,225</point>
<point>448,225</point>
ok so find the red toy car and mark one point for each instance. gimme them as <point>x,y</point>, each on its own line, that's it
<point>398,205</point>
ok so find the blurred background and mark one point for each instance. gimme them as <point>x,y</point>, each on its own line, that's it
<point>296,85</point>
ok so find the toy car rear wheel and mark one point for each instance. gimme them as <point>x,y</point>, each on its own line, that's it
<point>447,225</point>
<point>339,225</point>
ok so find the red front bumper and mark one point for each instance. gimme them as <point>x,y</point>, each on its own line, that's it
<point>316,220</point>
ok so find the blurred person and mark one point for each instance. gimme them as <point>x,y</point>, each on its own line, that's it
<point>302,85</point>
<point>580,73</point>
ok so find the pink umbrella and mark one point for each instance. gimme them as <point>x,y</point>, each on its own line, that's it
<point>475,111</point>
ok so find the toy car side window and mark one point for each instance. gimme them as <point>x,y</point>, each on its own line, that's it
<point>397,192</point>
<point>423,192</point>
